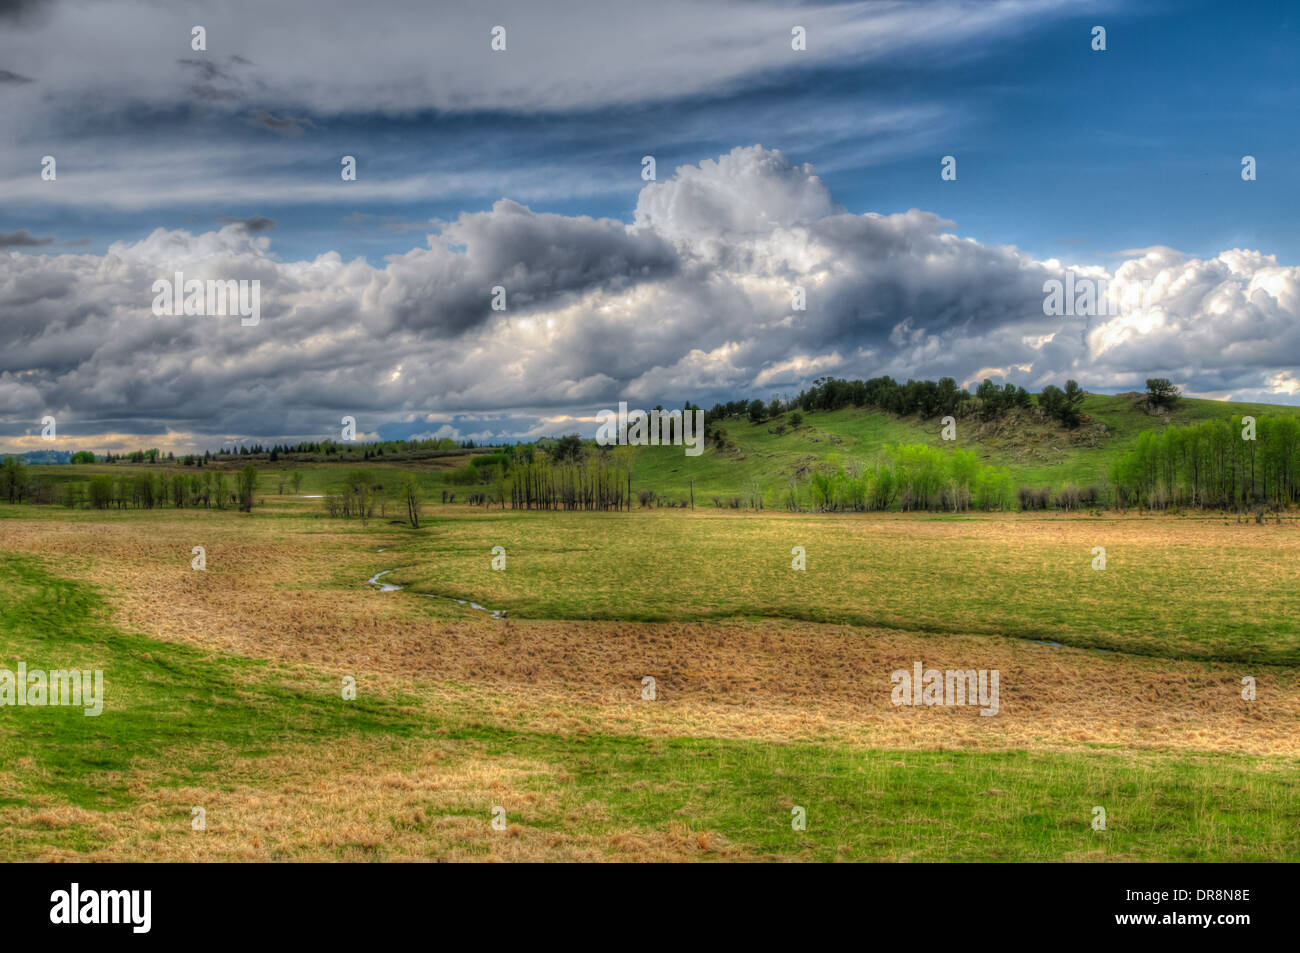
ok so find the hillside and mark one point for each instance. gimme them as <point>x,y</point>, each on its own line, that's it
<point>1037,452</point>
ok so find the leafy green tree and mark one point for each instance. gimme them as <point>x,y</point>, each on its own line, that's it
<point>246,485</point>
<point>1070,415</point>
<point>1161,392</point>
<point>101,492</point>
<point>568,448</point>
<point>990,397</point>
<point>13,479</point>
<point>948,396</point>
<point>1062,405</point>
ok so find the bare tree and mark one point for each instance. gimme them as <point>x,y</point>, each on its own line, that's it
<point>411,493</point>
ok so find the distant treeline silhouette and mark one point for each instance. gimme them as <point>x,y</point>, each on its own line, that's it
<point>273,452</point>
<point>926,398</point>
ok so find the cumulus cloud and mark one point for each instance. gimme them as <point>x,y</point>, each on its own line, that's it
<point>540,260</point>
<point>746,193</point>
<point>692,300</point>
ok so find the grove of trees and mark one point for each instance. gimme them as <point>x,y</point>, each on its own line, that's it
<point>926,398</point>
<point>1219,464</point>
<point>595,483</point>
<point>913,477</point>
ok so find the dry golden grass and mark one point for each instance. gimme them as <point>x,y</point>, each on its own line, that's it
<point>266,594</point>
<point>367,800</point>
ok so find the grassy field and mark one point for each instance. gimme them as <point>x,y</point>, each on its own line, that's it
<point>1120,688</point>
<point>1194,588</point>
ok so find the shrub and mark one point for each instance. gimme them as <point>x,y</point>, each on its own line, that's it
<point>1068,497</point>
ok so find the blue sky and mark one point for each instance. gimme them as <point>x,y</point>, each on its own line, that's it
<point>1061,150</point>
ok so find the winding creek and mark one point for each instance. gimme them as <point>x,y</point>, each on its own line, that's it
<point>381,586</point>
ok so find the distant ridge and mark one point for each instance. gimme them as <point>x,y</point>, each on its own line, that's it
<point>43,457</point>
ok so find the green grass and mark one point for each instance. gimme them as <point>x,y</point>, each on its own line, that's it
<point>160,699</point>
<point>882,805</point>
<point>176,716</point>
<point>1172,588</point>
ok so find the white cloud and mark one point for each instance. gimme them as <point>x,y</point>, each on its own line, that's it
<point>797,369</point>
<point>411,55</point>
<point>665,309</point>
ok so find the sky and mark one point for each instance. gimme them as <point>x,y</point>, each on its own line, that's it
<point>523,169</point>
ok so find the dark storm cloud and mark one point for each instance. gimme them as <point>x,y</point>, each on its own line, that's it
<point>539,259</point>
<point>213,83</point>
<point>24,12</point>
<point>22,239</point>
<point>255,225</point>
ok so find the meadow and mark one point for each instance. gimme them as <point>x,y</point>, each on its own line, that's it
<point>1121,688</point>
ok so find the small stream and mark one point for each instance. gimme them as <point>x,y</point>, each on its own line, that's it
<point>495,613</point>
<point>390,587</point>
<point>383,586</point>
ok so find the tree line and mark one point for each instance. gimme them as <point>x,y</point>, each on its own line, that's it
<point>144,489</point>
<point>911,477</point>
<point>926,398</point>
<point>1218,464</point>
<point>594,483</point>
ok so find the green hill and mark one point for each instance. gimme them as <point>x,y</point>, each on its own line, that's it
<point>1038,452</point>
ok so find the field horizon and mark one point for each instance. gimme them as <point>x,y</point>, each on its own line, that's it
<point>1035,451</point>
